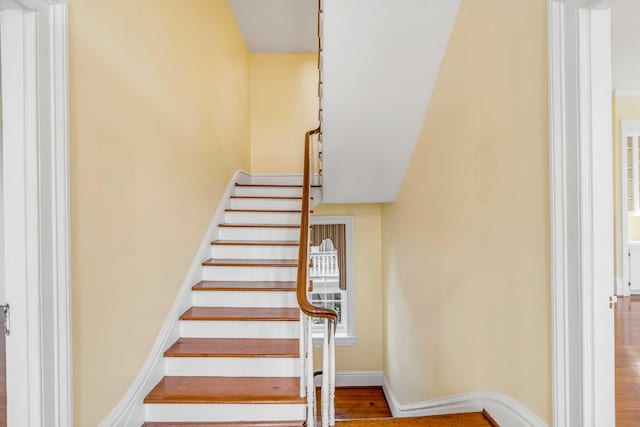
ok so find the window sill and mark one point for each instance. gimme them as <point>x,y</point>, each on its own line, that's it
<point>342,340</point>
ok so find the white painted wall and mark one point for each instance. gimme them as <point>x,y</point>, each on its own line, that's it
<point>625,43</point>
<point>381,62</point>
<point>278,26</point>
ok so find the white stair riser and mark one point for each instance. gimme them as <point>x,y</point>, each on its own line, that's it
<point>277,179</point>
<point>244,299</point>
<point>269,191</point>
<point>267,204</point>
<point>261,218</point>
<point>177,412</point>
<point>231,366</point>
<point>254,252</point>
<point>250,274</point>
<point>249,233</point>
<point>238,329</point>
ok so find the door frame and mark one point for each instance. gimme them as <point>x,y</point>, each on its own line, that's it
<point>580,375</point>
<point>39,218</point>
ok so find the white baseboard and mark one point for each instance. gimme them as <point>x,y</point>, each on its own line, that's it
<point>129,412</point>
<point>506,411</point>
<point>356,379</point>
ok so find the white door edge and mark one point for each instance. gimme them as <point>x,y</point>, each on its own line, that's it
<point>39,291</point>
<point>581,377</point>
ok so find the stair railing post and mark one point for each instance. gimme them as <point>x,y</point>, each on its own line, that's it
<point>332,372</point>
<point>311,388</point>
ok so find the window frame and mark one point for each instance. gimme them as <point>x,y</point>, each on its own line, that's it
<point>345,335</point>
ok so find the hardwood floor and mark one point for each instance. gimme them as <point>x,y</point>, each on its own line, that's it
<point>627,323</point>
<point>359,402</point>
<point>474,419</point>
<point>363,406</point>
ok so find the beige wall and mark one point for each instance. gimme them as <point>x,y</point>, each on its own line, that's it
<point>466,244</point>
<point>367,353</point>
<point>159,122</point>
<point>284,105</point>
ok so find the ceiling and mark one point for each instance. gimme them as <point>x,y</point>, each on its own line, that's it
<point>278,26</point>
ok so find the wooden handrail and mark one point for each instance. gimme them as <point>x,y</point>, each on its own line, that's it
<point>303,254</point>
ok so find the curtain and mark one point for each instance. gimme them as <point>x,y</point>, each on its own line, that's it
<point>337,234</point>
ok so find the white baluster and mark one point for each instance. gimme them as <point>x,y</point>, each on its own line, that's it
<point>325,376</point>
<point>332,372</point>
<point>311,388</point>
<point>302,348</point>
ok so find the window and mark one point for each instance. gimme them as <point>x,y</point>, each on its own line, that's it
<point>631,159</point>
<point>331,273</point>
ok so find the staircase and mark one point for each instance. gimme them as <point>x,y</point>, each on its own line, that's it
<point>238,358</point>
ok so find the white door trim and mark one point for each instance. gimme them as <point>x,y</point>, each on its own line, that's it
<point>575,265</point>
<point>45,321</point>
<point>22,269</point>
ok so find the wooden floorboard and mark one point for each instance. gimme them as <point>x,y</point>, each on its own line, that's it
<point>234,347</point>
<point>231,424</point>
<point>627,322</point>
<point>240,390</point>
<point>244,286</point>
<point>225,225</point>
<point>255,243</point>
<point>286,314</point>
<point>364,406</point>
<point>214,262</point>
<point>359,402</point>
<point>475,419</point>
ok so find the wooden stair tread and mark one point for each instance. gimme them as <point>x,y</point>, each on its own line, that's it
<point>292,211</point>
<point>270,185</point>
<point>285,314</point>
<point>259,225</point>
<point>238,390</point>
<point>231,424</point>
<point>234,347</point>
<point>269,197</point>
<point>213,262</point>
<point>256,242</point>
<point>473,419</point>
<point>244,286</point>
<point>275,185</point>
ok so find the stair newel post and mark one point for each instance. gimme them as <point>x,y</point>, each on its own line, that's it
<point>311,388</point>
<point>326,373</point>
<point>302,348</point>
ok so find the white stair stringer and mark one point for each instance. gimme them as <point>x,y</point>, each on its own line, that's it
<point>132,411</point>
